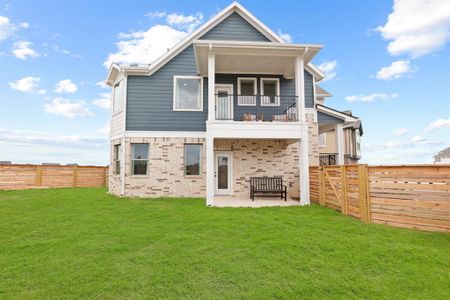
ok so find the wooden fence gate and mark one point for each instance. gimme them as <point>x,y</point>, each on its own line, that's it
<point>404,196</point>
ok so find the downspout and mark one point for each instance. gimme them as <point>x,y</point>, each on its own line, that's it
<point>122,192</point>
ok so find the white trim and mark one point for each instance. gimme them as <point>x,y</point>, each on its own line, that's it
<point>255,89</point>
<point>339,132</point>
<point>122,100</point>
<point>255,130</point>
<point>175,77</point>
<point>315,72</point>
<point>304,166</point>
<point>124,147</point>
<point>166,134</point>
<point>228,191</point>
<point>209,169</point>
<point>211,84</point>
<point>277,96</point>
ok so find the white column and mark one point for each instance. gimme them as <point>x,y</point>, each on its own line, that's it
<point>211,85</point>
<point>300,87</point>
<point>339,131</point>
<point>304,166</point>
<point>210,170</point>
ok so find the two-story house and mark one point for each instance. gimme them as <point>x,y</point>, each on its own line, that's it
<point>230,101</point>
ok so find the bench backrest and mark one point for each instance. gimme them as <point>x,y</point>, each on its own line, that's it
<point>266,183</point>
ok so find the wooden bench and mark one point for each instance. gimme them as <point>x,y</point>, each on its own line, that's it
<point>267,185</point>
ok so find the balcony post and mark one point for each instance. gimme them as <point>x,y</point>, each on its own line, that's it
<point>210,180</point>
<point>339,131</point>
<point>304,166</point>
<point>300,87</point>
<point>211,84</point>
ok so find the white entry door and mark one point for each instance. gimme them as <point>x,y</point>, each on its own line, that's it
<point>224,101</point>
<point>223,172</point>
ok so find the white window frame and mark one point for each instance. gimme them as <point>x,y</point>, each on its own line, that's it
<point>255,90</point>
<point>324,144</point>
<point>175,92</point>
<point>122,97</point>
<point>116,160</point>
<point>132,160</point>
<point>277,96</point>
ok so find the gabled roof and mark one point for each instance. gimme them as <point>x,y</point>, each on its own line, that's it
<point>234,7</point>
<point>320,92</point>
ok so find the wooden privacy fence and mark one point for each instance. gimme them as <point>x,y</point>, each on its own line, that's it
<point>415,197</point>
<point>15,176</point>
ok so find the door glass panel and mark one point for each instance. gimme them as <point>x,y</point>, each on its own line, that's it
<point>222,172</point>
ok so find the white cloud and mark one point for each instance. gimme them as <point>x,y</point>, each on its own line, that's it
<point>156,14</point>
<point>102,84</point>
<point>26,84</point>
<point>67,108</point>
<point>285,36</point>
<point>438,124</point>
<point>189,22</point>
<point>104,101</point>
<point>23,50</point>
<point>400,132</point>
<point>418,139</point>
<point>7,29</point>
<point>396,70</point>
<point>143,47</point>
<point>24,25</point>
<point>105,129</point>
<point>329,69</point>
<point>47,138</point>
<point>371,97</point>
<point>58,49</point>
<point>66,86</point>
<point>417,27</point>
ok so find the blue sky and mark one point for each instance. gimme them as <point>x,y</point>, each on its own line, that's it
<point>389,64</point>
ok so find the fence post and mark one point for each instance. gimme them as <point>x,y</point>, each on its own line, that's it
<point>344,190</point>
<point>363,193</point>
<point>75,170</point>
<point>321,187</point>
<point>38,175</point>
<point>105,170</point>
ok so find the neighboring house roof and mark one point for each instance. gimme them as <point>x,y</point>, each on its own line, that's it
<point>320,92</point>
<point>234,7</point>
<point>443,153</point>
<point>347,118</point>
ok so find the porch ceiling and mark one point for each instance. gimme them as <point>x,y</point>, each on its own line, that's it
<point>252,58</point>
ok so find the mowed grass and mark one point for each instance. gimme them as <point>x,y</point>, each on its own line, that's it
<point>83,243</point>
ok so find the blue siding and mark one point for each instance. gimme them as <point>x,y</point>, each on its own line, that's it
<point>234,28</point>
<point>309,90</point>
<point>327,119</point>
<point>150,99</point>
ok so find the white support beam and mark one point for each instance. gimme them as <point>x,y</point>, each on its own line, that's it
<point>339,131</point>
<point>210,182</point>
<point>211,85</point>
<point>304,167</point>
<point>300,87</point>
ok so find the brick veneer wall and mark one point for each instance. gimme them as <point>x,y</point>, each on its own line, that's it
<point>251,157</point>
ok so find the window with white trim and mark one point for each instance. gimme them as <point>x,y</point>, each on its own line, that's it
<point>118,96</point>
<point>192,159</point>
<point>247,91</point>
<point>322,139</point>
<point>270,91</point>
<point>139,159</point>
<point>116,159</point>
<point>187,93</point>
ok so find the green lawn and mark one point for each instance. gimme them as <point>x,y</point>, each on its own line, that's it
<point>83,243</point>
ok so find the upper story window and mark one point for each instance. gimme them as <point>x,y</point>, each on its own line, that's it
<point>192,159</point>
<point>247,91</point>
<point>187,93</point>
<point>322,139</point>
<point>358,143</point>
<point>270,91</point>
<point>139,159</point>
<point>118,96</point>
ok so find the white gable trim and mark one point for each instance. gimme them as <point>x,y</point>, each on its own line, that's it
<point>187,41</point>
